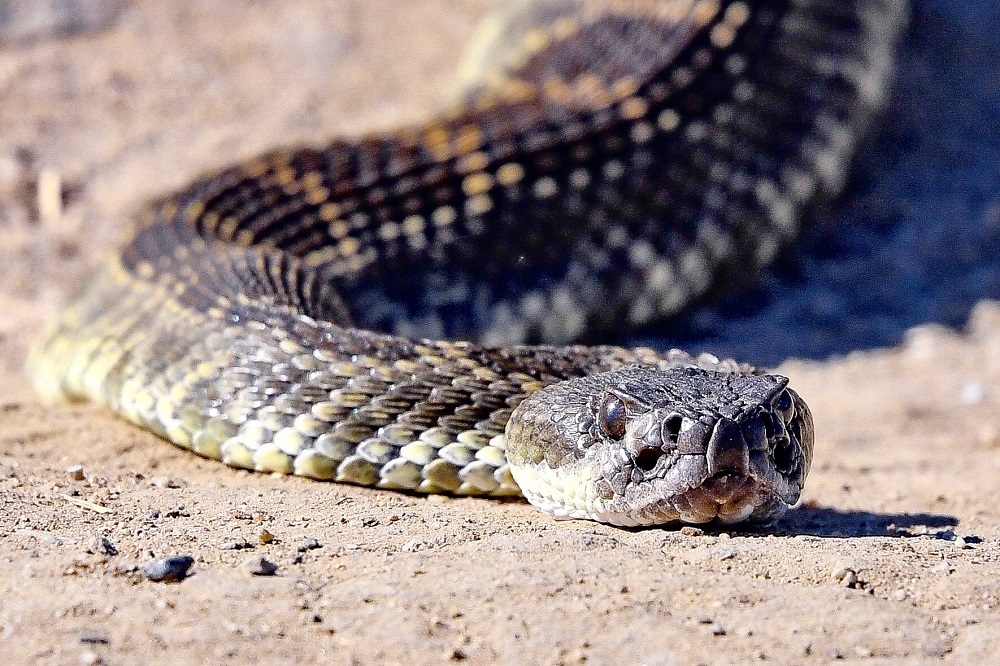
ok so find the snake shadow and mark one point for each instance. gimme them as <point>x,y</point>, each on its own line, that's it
<point>833,523</point>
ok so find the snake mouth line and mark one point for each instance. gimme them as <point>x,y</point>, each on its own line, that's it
<point>726,498</point>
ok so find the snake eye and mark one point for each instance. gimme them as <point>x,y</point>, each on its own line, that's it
<point>612,417</point>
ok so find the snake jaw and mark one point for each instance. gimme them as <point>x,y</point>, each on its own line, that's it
<point>699,446</point>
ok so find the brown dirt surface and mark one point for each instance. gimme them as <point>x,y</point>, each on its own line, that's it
<point>891,558</point>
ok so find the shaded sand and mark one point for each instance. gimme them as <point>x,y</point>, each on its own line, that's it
<point>892,557</point>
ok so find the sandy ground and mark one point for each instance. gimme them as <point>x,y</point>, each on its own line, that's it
<point>893,556</point>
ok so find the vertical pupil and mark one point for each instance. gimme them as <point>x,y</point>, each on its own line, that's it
<point>613,417</point>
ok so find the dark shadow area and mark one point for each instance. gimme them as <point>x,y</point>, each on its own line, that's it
<point>916,238</point>
<point>830,523</point>
<point>835,523</point>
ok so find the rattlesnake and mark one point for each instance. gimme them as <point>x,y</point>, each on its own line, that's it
<point>604,164</point>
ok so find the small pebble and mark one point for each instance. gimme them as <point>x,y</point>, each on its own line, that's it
<point>924,342</point>
<point>102,545</point>
<point>846,576</point>
<point>76,472</point>
<point>690,531</point>
<point>260,566</point>
<point>169,569</point>
<point>942,568</point>
<point>265,537</point>
<point>236,545</point>
<point>163,481</point>
<point>310,544</point>
<point>973,394</point>
<point>89,658</point>
<point>718,630</point>
<point>705,619</point>
<point>416,545</point>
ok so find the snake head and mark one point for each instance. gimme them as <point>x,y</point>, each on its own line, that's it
<point>645,446</point>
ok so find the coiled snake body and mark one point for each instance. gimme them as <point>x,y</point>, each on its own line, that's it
<point>608,163</point>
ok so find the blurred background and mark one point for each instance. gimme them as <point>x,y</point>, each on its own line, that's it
<point>111,102</point>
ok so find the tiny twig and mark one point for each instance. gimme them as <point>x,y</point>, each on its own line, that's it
<point>84,504</point>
